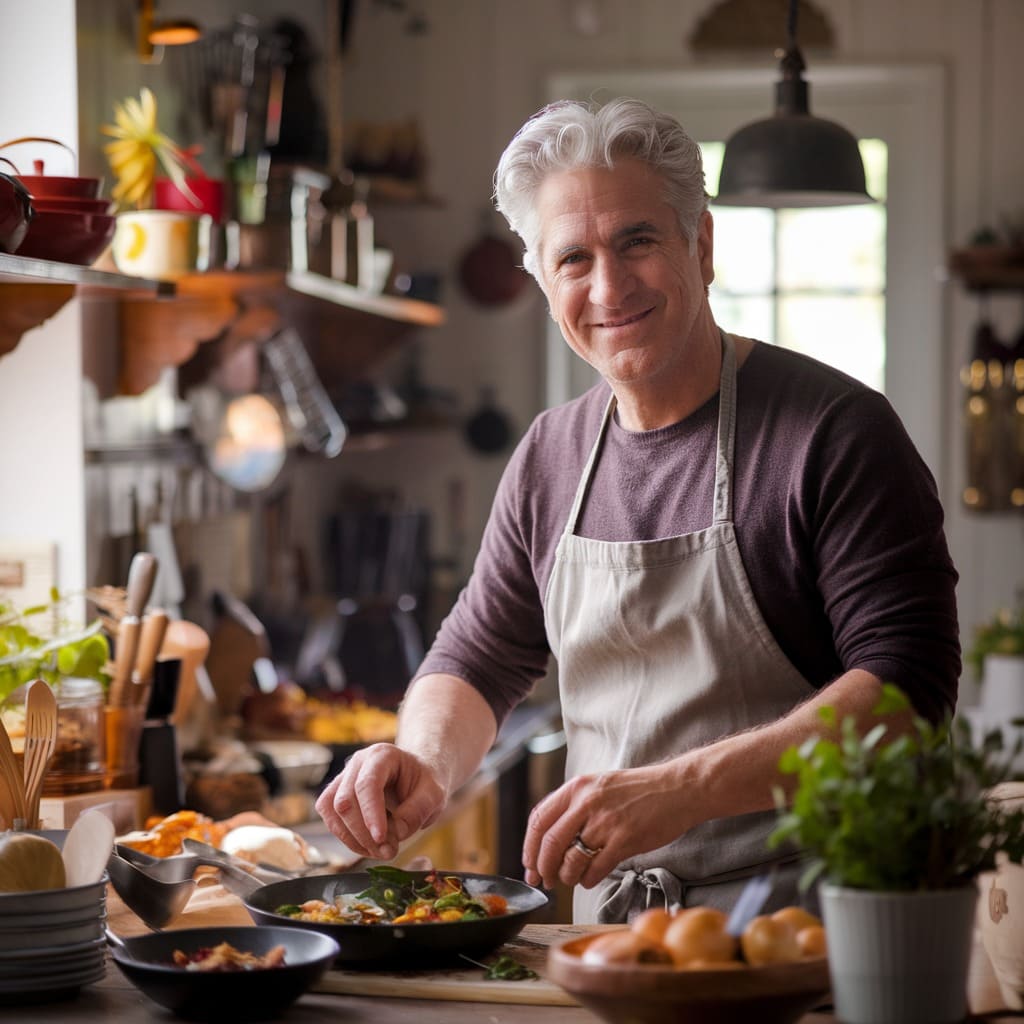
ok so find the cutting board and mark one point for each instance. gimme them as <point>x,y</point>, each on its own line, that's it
<point>467,984</point>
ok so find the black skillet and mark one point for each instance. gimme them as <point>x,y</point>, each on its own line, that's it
<point>388,945</point>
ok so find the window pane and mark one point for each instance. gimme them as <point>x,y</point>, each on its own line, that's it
<point>847,332</point>
<point>875,154</point>
<point>841,248</point>
<point>744,257</point>
<point>750,316</point>
<point>711,154</point>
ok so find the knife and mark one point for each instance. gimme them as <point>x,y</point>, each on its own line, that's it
<point>151,638</point>
<point>141,574</point>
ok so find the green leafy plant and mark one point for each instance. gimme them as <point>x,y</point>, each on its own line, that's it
<point>1003,634</point>
<point>39,643</point>
<point>901,815</point>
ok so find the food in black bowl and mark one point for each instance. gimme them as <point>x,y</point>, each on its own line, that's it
<point>381,917</point>
<point>250,973</point>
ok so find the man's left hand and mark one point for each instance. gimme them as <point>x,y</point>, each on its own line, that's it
<point>581,831</point>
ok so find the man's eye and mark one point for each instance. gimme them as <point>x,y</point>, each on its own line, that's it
<point>639,240</point>
<point>572,257</point>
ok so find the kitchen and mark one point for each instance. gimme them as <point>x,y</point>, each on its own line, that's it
<point>505,55</point>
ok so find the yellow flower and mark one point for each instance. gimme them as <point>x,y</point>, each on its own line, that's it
<point>137,149</point>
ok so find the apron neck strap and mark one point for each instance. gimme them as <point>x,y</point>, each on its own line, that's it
<point>723,457</point>
<point>726,432</point>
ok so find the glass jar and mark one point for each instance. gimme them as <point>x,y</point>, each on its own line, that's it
<point>77,764</point>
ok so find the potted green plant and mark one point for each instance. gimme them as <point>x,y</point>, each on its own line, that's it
<point>897,827</point>
<point>42,643</point>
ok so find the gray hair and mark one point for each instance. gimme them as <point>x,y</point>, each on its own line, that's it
<point>569,134</point>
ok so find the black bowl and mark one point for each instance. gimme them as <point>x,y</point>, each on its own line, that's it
<point>147,962</point>
<point>379,945</point>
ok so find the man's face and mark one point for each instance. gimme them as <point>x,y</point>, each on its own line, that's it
<point>618,273</point>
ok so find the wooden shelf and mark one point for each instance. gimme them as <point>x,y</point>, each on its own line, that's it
<point>389,307</point>
<point>345,329</point>
<point>163,323</point>
<point>988,268</point>
<point>20,268</point>
<point>32,291</point>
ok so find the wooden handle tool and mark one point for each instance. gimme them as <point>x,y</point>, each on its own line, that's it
<point>141,574</point>
<point>151,639</point>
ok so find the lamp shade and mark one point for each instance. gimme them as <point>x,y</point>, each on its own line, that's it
<point>792,159</point>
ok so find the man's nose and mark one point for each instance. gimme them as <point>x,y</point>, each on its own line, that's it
<point>611,281</point>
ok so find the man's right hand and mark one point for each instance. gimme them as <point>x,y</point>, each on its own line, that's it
<point>382,796</point>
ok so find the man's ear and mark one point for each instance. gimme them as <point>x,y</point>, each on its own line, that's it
<point>706,247</point>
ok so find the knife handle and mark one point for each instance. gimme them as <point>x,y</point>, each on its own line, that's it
<point>151,638</point>
<point>124,660</point>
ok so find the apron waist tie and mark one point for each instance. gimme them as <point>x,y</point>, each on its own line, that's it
<point>664,889</point>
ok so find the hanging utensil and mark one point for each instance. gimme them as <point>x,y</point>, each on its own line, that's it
<point>489,429</point>
<point>310,411</point>
<point>40,740</point>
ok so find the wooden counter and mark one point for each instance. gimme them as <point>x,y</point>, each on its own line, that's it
<point>116,999</point>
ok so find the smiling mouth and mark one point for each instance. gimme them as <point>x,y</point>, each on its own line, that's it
<point>625,321</point>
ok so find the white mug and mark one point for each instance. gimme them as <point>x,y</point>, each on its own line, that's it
<point>161,243</point>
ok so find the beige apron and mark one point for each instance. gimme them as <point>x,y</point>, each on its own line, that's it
<point>661,649</point>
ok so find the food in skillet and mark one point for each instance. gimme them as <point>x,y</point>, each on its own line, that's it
<point>224,958</point>
<point>396,897</point>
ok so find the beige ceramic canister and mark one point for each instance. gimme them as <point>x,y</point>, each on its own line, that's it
<point>1001,911</point>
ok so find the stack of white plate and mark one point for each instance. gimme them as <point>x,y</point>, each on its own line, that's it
<point>51,942</point>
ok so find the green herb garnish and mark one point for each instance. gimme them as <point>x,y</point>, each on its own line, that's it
<point>505,968</point>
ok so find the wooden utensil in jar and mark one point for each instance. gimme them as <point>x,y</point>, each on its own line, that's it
<point>12,787</point>
<point>40,740</point>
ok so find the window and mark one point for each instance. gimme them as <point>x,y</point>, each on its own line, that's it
<point>809,280</point>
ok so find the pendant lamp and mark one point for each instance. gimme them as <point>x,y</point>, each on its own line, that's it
<point>792,159</point>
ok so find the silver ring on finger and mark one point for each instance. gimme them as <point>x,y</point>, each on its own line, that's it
<point>589,852</point>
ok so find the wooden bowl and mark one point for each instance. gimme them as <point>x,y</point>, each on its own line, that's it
<point>652,994</point>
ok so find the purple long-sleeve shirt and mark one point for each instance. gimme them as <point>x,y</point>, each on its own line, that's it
<point>837,520</point>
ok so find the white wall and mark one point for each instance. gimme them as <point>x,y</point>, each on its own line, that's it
<point>40,382</point>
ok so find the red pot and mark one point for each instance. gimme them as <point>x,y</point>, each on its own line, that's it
<point>15,213</point>
<point>208,191</point>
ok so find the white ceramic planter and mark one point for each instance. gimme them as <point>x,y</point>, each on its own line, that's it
<point>1002,688</point>
<point>899,957</point>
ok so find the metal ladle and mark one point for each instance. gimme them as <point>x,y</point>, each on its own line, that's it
<point>154,901</point>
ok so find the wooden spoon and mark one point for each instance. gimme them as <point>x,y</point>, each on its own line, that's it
<point>40,739</point>
<point>12,787</point>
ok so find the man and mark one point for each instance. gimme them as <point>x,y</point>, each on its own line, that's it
<point>716,541</point>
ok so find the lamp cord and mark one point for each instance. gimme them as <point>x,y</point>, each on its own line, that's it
<point>794,7</point>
